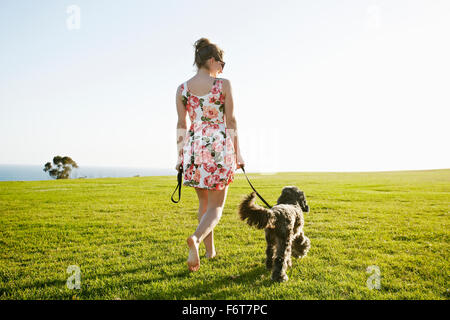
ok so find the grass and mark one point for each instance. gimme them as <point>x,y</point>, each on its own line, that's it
<point>128,238</point>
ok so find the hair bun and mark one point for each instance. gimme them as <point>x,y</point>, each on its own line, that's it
<point>201,43</point>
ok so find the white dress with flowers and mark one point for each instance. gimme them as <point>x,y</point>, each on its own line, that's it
<point>209,160</point>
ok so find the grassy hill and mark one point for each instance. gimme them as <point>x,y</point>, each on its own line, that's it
<point>128,238</point>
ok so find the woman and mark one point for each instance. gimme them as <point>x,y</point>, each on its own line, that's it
<point>208,153</point>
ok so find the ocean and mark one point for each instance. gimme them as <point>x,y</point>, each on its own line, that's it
<point>15,172</point>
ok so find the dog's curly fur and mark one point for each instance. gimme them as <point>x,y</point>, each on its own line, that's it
<point>283,224</point>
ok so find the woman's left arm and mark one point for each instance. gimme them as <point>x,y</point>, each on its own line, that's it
<point>181,125</point>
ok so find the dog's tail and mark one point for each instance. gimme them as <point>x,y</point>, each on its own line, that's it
<point>256,215</point>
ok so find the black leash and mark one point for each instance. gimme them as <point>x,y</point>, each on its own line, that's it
<point>268,206</point>
<point>180,177</point>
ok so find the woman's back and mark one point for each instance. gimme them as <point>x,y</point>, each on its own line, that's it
<point>200,86</point>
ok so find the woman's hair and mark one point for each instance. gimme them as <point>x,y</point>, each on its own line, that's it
<point>204,50</point>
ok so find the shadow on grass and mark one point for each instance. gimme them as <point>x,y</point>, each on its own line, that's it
<point>217,286</point>
<point>169,280</point>
<point>178,284</point>
<point>98,292</point>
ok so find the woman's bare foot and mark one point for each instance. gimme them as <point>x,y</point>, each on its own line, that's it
<point>210,255</point>
<point>193,260</point>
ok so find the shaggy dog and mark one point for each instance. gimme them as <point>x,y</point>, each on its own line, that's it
<point>283,224</point>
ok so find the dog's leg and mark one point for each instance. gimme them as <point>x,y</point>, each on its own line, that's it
<point>284,242</point>
<point>289,262</point>
<point>300,245</point>
<point>270,250</point>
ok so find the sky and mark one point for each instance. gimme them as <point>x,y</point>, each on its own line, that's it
<point>317,85</point>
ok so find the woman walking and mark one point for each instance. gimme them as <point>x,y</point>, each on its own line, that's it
<point>208,153</point>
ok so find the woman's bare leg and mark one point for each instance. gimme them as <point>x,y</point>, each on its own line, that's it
<point>216,202</point>
<point>208,240</point>
<point>203,206</point>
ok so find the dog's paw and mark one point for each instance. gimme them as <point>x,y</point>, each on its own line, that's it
<point>289,263</point>
<point>280,278</point>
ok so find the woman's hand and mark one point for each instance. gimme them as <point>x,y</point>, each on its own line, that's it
<point>179,166</point>
<point>239,161</point>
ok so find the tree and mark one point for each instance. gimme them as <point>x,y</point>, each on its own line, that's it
<point>62,169</point>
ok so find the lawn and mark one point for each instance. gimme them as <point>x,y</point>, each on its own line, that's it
<point>128,239</point>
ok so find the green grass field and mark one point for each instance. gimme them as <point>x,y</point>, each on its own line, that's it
<point>128,239</point>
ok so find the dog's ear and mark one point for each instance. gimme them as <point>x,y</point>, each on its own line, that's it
<point>302,201</point>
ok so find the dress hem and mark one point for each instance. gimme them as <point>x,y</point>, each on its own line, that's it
<point>230,180</point>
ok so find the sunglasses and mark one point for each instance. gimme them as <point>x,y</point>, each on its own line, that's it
<point>221,62</point>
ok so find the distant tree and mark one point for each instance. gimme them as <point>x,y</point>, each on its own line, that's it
<point>63,167</point>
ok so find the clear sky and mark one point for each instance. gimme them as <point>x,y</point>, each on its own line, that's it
<point>318,85</point>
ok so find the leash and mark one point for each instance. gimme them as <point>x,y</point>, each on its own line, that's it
<point>265,202</point>
<point>180,177</point>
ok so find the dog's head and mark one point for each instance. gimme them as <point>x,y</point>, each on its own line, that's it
<point>293,195</point>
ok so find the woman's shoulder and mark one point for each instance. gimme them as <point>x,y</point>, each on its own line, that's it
<point>226,84</point>
<point>181,87</point>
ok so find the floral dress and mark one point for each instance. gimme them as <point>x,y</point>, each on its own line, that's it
<point>208,158</point>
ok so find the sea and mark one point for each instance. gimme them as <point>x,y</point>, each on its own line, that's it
<point>24,172</point>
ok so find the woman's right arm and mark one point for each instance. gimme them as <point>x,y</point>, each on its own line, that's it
<point>230,118</point>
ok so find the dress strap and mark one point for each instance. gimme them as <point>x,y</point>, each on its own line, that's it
<point>184,93</point>
<point>220,85</point>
